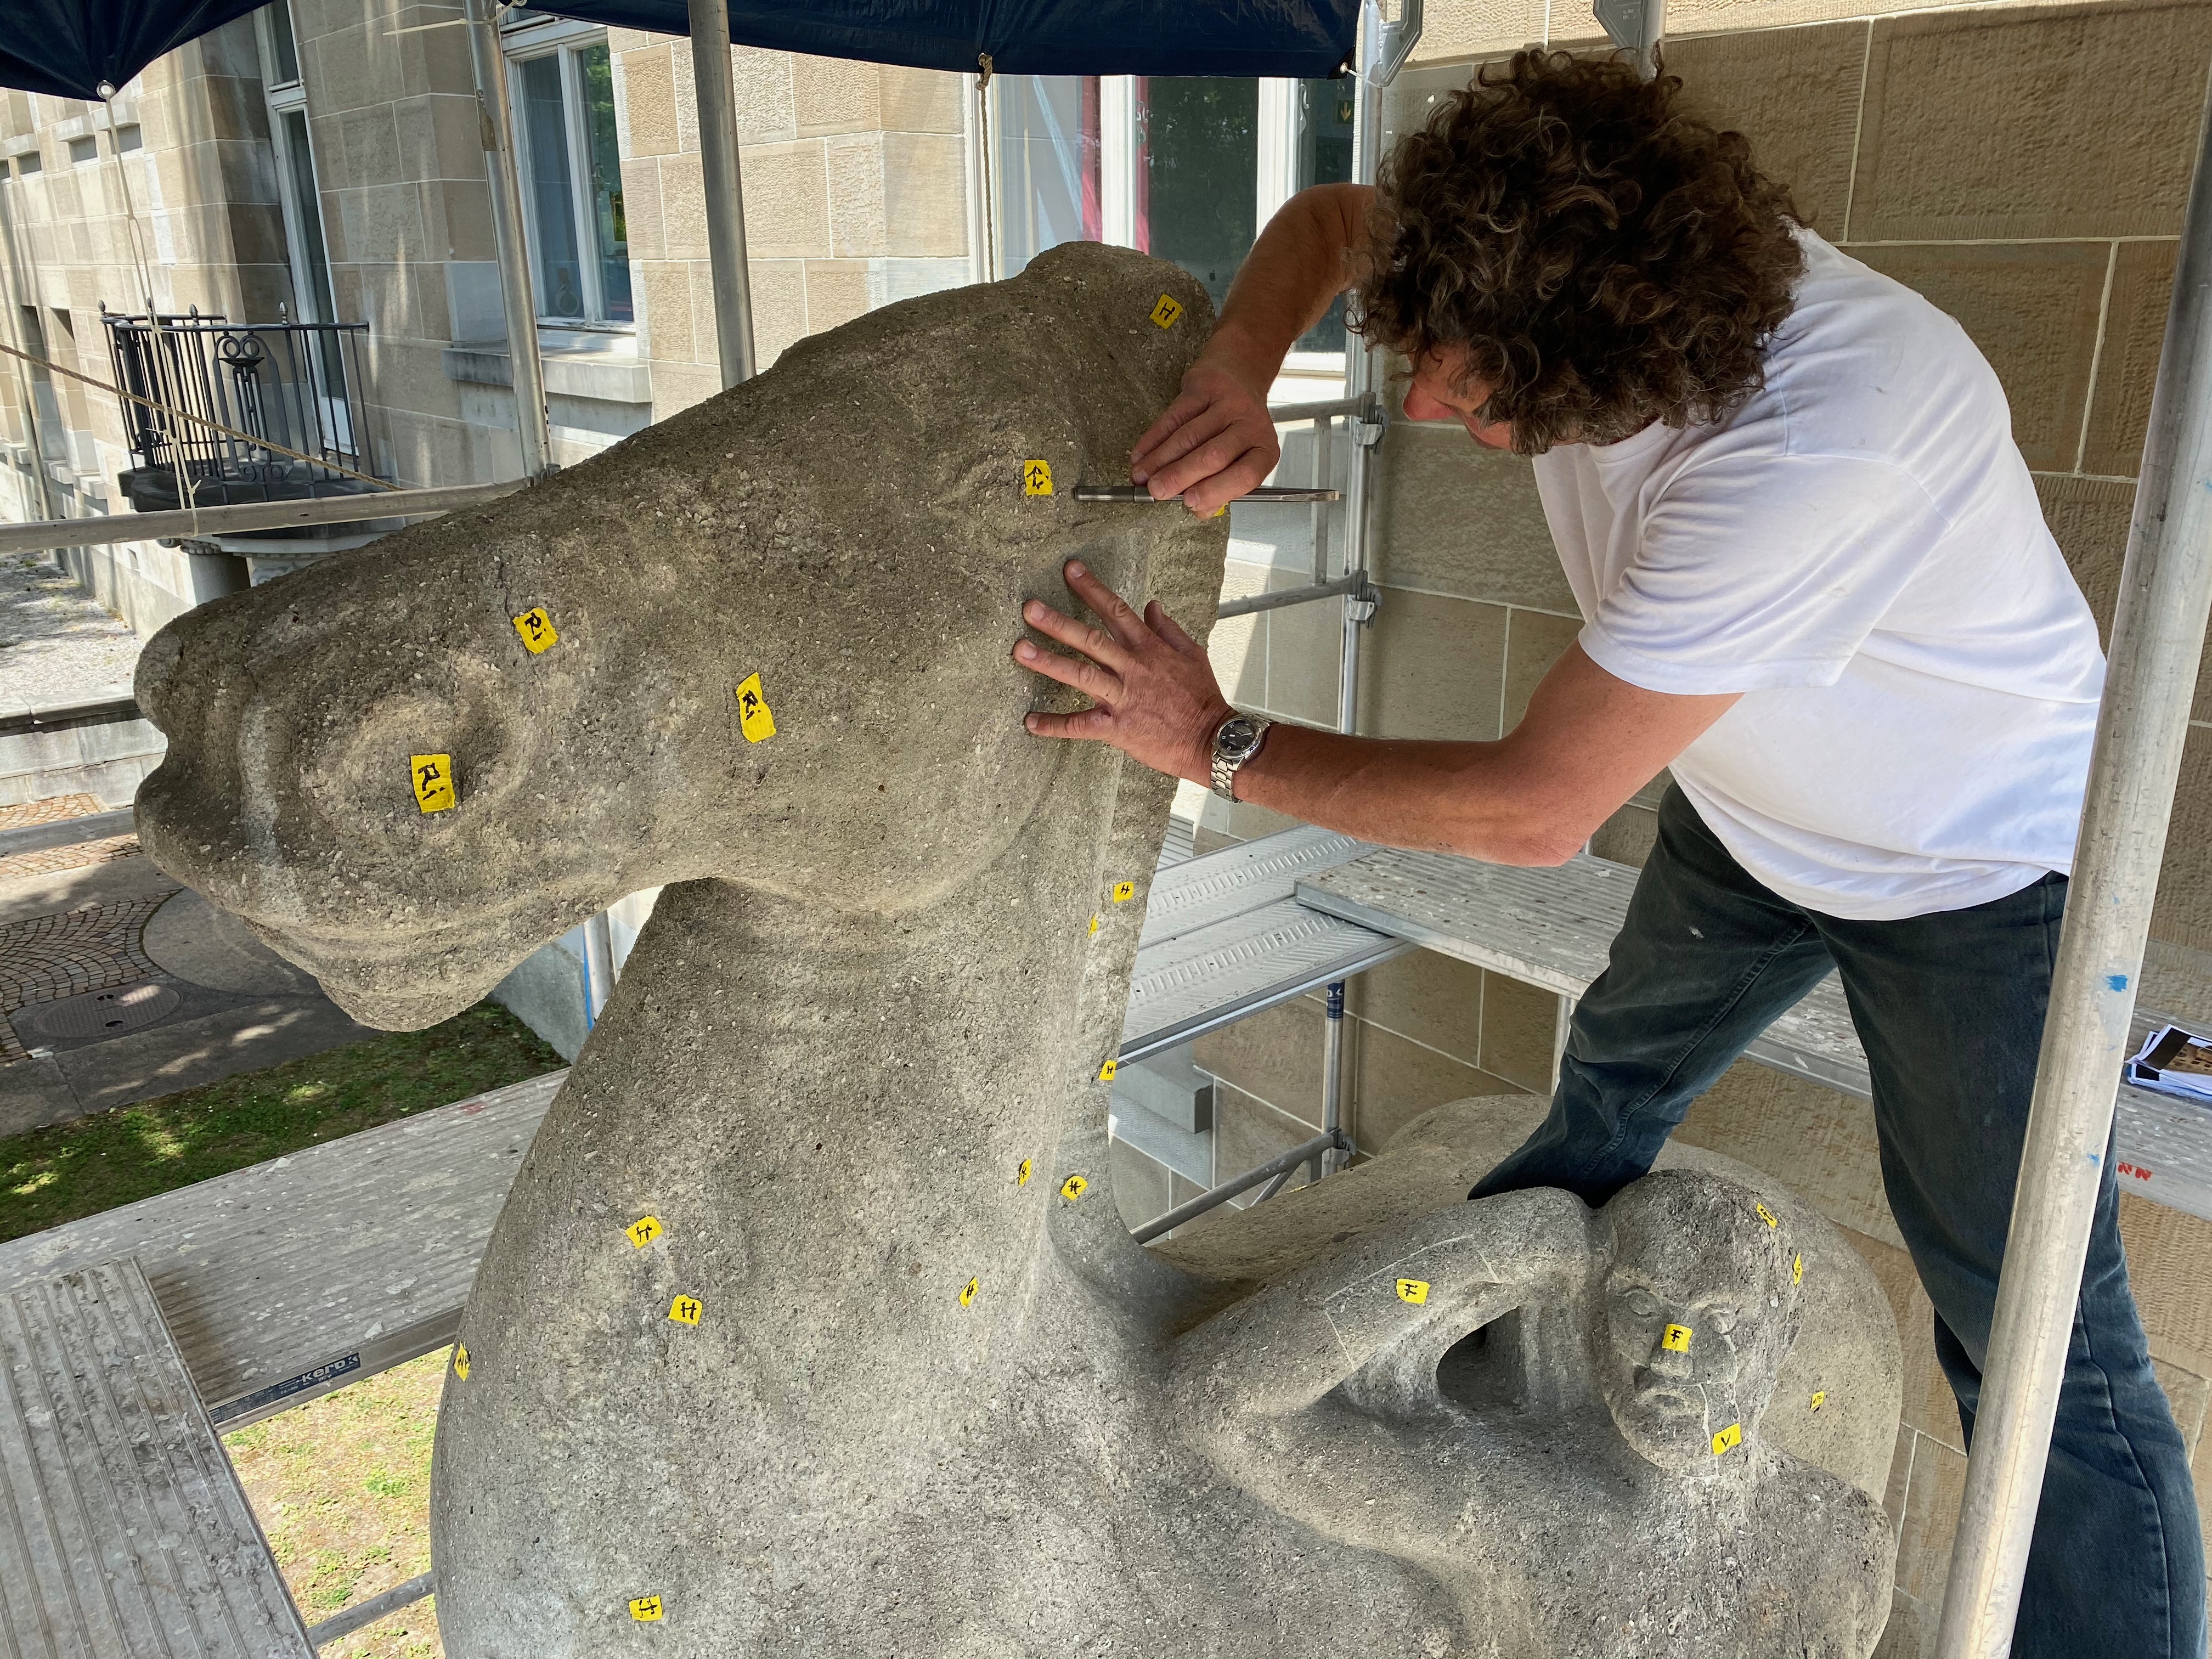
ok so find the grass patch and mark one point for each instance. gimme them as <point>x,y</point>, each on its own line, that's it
<point>73,1170</point>
<point>342,1487</point>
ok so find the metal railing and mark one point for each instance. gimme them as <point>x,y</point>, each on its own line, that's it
<point>299,387</point>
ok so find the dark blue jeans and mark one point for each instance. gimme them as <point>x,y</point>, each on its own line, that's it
<point>1950,1008</point>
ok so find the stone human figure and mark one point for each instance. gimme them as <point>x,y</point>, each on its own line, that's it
<point>1587,1471</point>
<point>886,1374</point>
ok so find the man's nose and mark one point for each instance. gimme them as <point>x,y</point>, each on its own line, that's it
<point>1672,1355</point>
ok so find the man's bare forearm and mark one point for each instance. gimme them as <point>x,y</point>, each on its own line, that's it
<point>1473,799</point>
<point>1299,264</point>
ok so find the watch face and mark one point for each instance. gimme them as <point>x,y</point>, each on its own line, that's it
<point>1236,738</point>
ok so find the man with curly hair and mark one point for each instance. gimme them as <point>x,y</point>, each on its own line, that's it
<point>1816,583</point>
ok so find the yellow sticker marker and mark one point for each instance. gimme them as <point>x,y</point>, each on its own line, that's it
<point>537,629</point>
<point>967,1290</point>
<point>433,777</point>
<point>1036,477</point>
<point>685,1311</point>
<point>1106,1072</point>
<point>461,1360</point>
<point>1819,1398</point>
<point>644,1230</point>
<point>1766,1215</point>
<point>1796,1270</point>
<point>644,1609</point>
<point>1094,927</point>
<point>1167,311</point>
<point>1730,1437</point>
<point>753,718</point>
<point>1675,1339</point>
<point>1124,891</point>
<point>1415,1290</point>
<point>1022,1174</point>
<point>1074,1187</point>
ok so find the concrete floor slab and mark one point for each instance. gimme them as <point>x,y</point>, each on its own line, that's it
<point>185,1053</point>
<point>61,890</point>
<point>34,1093</point>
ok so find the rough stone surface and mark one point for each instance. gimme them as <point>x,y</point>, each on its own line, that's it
<point>886,1373</point>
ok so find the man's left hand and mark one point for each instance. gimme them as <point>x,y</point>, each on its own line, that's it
<point>1157,700</point>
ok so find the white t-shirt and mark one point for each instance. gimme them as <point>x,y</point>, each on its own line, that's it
<point>1859,550</point>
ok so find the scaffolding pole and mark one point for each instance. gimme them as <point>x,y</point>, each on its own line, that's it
<point>496,128</point>
<point>725,202</point>
<point>2158,637</point>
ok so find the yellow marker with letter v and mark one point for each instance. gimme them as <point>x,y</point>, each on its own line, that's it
<point>433,777</point>
<point>753,718</point>
<point>537,629</point>
<point>1727,1437</point>
<point>1675,1339</point>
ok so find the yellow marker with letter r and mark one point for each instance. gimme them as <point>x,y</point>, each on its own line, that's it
<point>538,634</point>
<point>753,718</point>
<point>433,778</point>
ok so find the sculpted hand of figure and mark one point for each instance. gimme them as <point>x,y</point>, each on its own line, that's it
<point>886,1374</point>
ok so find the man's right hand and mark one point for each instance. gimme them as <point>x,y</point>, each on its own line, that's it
<point>1214,443</point>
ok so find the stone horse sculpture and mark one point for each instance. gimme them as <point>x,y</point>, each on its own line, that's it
<point>809,1326</point>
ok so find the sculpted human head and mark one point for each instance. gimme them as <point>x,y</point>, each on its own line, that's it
<point>1697,1308</point>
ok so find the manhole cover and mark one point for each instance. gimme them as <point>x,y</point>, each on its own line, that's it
<point>101,1014</point>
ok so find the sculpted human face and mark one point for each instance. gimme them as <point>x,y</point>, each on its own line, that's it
<point>1697,1313</point>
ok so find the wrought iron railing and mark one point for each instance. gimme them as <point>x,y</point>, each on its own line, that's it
<point>285,386</point>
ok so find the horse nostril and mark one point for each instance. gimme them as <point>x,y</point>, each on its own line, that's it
<point>157,663</point>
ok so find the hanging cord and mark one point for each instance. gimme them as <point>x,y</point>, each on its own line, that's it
<point>136,236</point>
<point>990,215</point>
<point>198,420</point>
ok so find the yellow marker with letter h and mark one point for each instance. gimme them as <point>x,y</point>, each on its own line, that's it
<point>1106,1072</point>
<point>644,1609</point>
<point>537,629</point>
<point>753,718</point>
<point>644,1230</point>
<point>1167,311</point>
<point>1796,1270</point>
<point>1124,891</point>
<point>1766,1215</point>
<point>685,1311</point>
<point>967,1290</point>
<point>1074,1187</point>
<point>1675,1339</point>
<point>433,777</point>
<point>461,1360</point>
<point>1819,1398</point>
<point>1415,1290</point>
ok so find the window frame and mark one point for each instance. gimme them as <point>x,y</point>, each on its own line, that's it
<point>286,98</point>
<point>564,38</point>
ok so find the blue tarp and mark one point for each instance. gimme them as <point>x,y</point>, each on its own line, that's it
<point>69,47</point>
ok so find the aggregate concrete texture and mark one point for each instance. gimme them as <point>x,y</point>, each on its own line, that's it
<point>810,1326</point>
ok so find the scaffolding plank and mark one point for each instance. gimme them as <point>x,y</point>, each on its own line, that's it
<point>1233,881</point>
<point>123,1528</point>
<point>1553,928</point>
<point>294,1276</point>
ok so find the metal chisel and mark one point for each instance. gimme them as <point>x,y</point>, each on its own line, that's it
<point>1138,494</point>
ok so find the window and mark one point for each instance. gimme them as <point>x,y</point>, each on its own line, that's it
<point>280,49</point>
<point>28,163</point>
<point>82,151</point>
<point>128,138</point>
<point>571,188</point>
<point>1185,168</point>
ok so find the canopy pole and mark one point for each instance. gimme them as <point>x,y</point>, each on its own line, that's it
<point>495,126</point>
<point>725,202</point>
<point>2158,634</point>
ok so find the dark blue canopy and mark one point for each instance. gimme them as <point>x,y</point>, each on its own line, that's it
<point>69,47</point>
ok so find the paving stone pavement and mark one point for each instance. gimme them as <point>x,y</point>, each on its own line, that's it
<point>49,860</point>
<point>55,809</point>
<point>45,958</point>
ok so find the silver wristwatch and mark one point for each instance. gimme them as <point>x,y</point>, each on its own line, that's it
<point>1235,741</point>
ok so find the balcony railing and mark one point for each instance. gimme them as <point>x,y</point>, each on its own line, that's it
<point>285,386</point>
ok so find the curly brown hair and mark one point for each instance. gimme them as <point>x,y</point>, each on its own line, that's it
<point>1603,259</point>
